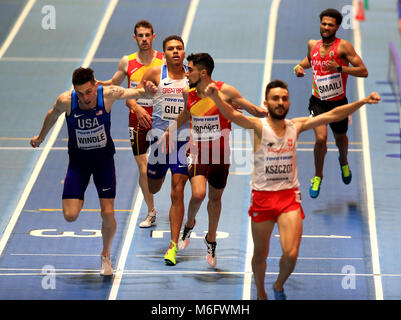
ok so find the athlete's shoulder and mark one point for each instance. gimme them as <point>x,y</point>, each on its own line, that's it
<point>222,86</point>
<point>312,43</point>
<point>345,44</point>
<point>65,97</point>
<point>130,57</point>
<point>153,73</point>
<point>63,102</point>
<point>159,55</point>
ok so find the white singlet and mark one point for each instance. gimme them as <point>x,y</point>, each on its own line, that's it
<point>168,102</point>
<point>275,163</point>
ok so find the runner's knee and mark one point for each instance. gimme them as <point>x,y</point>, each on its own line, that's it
<point>321,140</point>
<point>154,187</point>
<point>70,215</point>
<point>177,193</point>
<point>291,255</point>
<point>198,196</point>
<point>107,214</point>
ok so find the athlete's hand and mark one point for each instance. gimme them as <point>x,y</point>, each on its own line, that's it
<point>150,88</point>
<point>299,71</point>
<point>35,142</point>
<point>332,65</point>
<point>144,118</point>
<point>373,98</point>
<point>212,90</point>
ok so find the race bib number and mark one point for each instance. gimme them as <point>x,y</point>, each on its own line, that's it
<point>171,108</point>
<point>91,139</point>
<point>206,128</point>
<point>132,133</point>
<point>330,86</point>
<point>279,168</point>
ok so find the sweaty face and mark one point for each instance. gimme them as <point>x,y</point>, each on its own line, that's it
<point>193,75</point>
<point>174,52</point>
<point>278,103</point>
<point>328,28</point>
<point>87,94</point>
<point>144,38</point>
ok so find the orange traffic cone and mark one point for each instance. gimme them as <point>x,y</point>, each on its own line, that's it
<point>360,13</point>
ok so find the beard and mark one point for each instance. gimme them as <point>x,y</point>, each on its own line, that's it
<point>277,116</point>
<point>194,84</point>
<point>332,36</point>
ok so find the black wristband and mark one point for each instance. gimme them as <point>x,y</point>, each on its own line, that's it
<point>340,68</point>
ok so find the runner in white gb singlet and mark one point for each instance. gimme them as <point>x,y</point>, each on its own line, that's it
<point>168,102</point>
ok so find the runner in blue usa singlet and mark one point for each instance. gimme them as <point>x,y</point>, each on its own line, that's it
<point>91,150</point>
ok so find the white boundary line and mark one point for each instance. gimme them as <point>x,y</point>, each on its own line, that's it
<point>95,272</point>
<point>55,131</point>
<point>138,199</point>
<point>114,60</point>
<point>368,172</point>
<point>16,27</point>
<point>186,30</point>
<point>270,41</point>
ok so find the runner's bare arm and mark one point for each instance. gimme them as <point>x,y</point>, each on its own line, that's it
<point>143,117</point>
<point>357,68</point>
<point>299,69</point>
<point>63,104</point>
<point>228,111</point>
<point>112,93</point>
<point>336,114</point>
<point>232,96</point>
<point>119,75</point>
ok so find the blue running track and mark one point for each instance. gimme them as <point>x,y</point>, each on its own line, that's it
<point>343,247</point>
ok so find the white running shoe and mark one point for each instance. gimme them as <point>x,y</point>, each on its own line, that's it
<point>185,239</point>
<point>149,220</point>
<point>211,252</point>
<point>107,268</point>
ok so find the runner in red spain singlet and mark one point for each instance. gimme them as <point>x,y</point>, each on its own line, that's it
<point>133,67</point>
<point>210,131</point>
<point>135,72</point>
<point>209,151</point>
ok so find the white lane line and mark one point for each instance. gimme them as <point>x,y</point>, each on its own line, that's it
<point>269,54</point>
<point>54,255</point>
<point>41,59</point>
<point>368,171</point>
<point>16,27</point>
<point>332,236</point>
<point>236,257</point>
<point>159,256</point>
<point>54,133</point>
<point>95,272</point>
<point>189,21</point>
<point>138,199</point>
<point>129,235</point>
<point>116,60</point>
